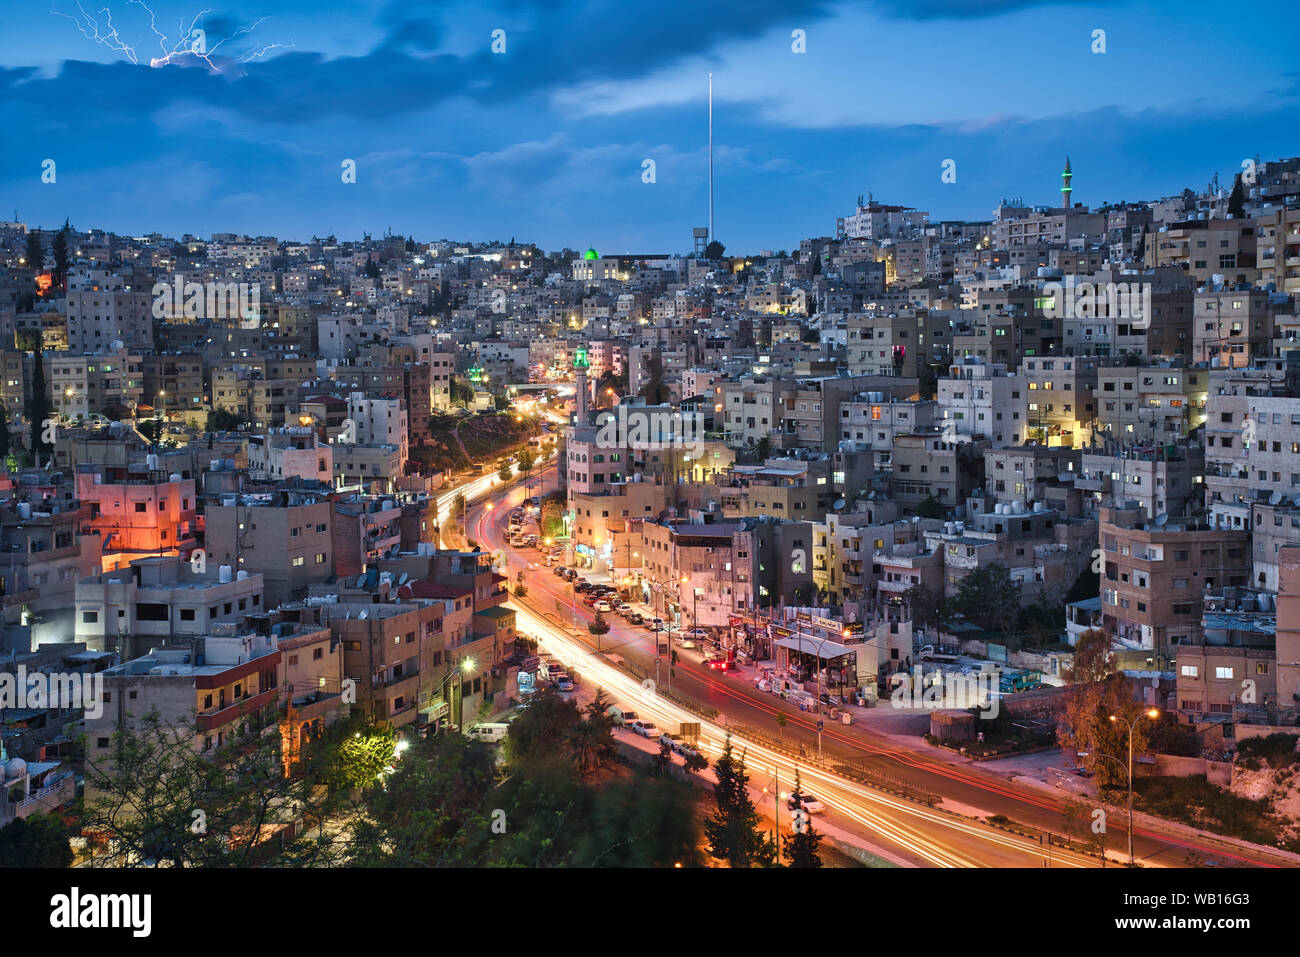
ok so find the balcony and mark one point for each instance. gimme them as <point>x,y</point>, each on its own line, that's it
<point>249,704</point>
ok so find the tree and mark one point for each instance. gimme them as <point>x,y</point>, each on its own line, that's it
<point>60,249</point>
<point>1093,660</point>
<point>598,626</point>
<point>154,799</point>
<point>505,472</point>
<point>35,254</point>
<point>989,597</point>
<point>525,463</point>
<point>801,849</point>
<point>1088,731</point>
<point>223,420</point>
<point>655,391</point>
<point>930,507</point>
<point>1236,201</point>
<point>664,759</point>
<point>733,830</point>
<point>37,841</point>
<point>5,437</point>
<point>40,407</point>
<point>929,610</point>
<point>714,250</point>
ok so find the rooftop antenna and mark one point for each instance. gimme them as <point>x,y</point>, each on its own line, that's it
<point>712,236</point>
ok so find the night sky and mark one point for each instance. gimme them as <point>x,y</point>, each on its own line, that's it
<point>546,141</point>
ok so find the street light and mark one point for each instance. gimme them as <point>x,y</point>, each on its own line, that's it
<point>1115,719</point>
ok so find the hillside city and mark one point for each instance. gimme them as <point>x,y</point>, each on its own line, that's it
<point>927,543</point>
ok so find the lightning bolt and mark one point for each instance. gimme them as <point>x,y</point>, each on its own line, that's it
<point>189,45</point>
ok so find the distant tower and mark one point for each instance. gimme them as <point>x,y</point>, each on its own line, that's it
<point>580,366</point>
<point>1066,189</point>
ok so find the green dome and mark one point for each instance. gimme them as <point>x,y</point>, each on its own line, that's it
<point>591,254</point>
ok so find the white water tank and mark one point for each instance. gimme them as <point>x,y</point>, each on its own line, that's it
<point>225,573</point>
<point>174,477</point>
<point>241,575</point>
<point>24,510</point>
<point>151,462</point>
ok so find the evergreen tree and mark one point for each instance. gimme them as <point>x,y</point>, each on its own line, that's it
<point>41,406</point>
<point>60,249</point>
<point>35,251</point>
<point>1236,201</point>
<point>38,841</point>
<point>733,832</point>
<point>801,849</point>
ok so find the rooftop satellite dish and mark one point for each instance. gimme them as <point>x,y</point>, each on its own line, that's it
<point>1275,498</point>
<point>839,504</point>
<point>1162,519</point>
<point>363,614</point>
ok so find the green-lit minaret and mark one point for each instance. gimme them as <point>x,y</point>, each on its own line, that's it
<point>580,366</point>
<point>1066,189</point>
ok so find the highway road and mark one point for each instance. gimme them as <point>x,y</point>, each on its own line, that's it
<point>925,834</point>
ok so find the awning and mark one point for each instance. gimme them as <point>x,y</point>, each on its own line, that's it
<point>816,646</point>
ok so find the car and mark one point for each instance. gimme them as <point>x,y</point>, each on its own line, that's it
<point>697,633</point>
<point>560,571</point>
<point>672,740</point>
<point>590,601</point>
<point>622,607</point>
<point>654,624</point>
<point>621,716</point>
<point>602,605</point>
<point>719,664</point>
<point>647,729</point>
<point>564,683</point>
<point>685,643</point>
<point>810,804</point>
<point>635,618</point>
<point>582,585</point>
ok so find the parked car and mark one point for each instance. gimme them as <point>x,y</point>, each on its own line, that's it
<point>602,605</point>
<point>590,601</point>
<point>654,624</point>
<point>685,643</point>
<point>647,729</point>
<point>621,716</point>
<point>699,634</point>
<point>564,683</point>
<point>582,585</point>
<point>718,664</point>
<point>560,571</point>
<point>635,618</point>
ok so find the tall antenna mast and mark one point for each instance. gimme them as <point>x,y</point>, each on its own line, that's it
<point>712,237</point>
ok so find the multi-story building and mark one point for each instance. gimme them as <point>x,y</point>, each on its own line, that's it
<point>284,536</point>
<point>1153,575</point>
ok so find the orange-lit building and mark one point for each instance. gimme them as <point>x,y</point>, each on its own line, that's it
<point>139,511</point>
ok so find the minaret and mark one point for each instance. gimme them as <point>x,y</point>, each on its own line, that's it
<point>580,367</point>
<point>1066,189</point>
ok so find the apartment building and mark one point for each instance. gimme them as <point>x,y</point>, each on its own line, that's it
<point>93,383</point>
<point>982,400</point>
<point>160,602</point>
<point>1154,574</point>
<point>1150,405</point>
<point>292,452</point>
<point>138,511</point>
<point>284,536</point>
<point>1232,328</point>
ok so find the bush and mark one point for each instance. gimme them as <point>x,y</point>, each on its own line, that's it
<point>1276,749</point>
